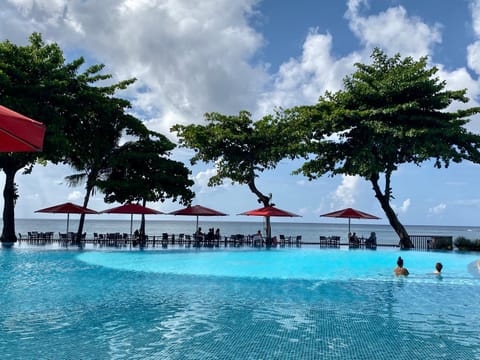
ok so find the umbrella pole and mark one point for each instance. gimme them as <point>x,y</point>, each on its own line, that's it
<point>131,224</point>
<point>196,229</point>
<point>68,220</point>
<point>349,225</point>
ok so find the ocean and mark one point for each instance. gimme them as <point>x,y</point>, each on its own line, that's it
<point>310,232</point>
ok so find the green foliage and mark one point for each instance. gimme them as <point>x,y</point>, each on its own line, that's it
<point>391,112</point>
<point>462,243</point>
<point>85,122</point>
<point>442,243</point>
<point>140,170</point>
<point>36,81</point>
<point>240,147</point>
<point>135,171</point>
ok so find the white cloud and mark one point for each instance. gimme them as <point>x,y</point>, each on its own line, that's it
<point>468,202</point>
<point>473,50</point>
<point>393,30</point>
<point>475,9</point>
<point>202,177</point>
<point>402,208</point>
<point>201,181</point>
<point>187,60</point>
<point>75,196</point>
<point>303,211</point>
<point>344,195</point>
<point>301,81</point>
<point>440,208</point>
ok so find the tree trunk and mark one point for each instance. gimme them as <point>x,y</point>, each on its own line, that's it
<point>81,223</point>
<point>142,221</point>
<point>265,200</point>
<point>8,232</point>
<point>405,242</point>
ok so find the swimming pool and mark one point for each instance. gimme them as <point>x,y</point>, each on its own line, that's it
<point>237,304</point>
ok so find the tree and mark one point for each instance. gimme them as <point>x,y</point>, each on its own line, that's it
<point>390,113</point>
<point>141,171</point>
<point>239,147</point>
<point>35,81</point>
<point>94,133</point>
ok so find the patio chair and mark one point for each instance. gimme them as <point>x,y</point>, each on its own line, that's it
<point>335,241</point>
<point>188,240</point>
<point>298,240</point>
<point>324,242</point>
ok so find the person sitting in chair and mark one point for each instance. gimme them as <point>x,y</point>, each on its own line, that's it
<point>354,240</point>
<point>258,235</point>
<point>372,240</point>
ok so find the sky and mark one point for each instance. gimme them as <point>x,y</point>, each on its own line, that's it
<point>191,57</point>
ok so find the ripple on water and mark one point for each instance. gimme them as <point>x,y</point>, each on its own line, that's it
<point>291,264</point>
<point>118,306</point>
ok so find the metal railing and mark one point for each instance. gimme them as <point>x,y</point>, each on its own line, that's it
<point>431,242</point>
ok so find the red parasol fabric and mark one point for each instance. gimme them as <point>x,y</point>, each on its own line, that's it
<point>67,208</point>
<point>267,212</point>
<point>131,209</point>
<point>350,214</point>
<point>19,133</point>
<point>197,210</point>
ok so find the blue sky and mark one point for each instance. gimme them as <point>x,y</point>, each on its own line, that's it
<point>193,57</point>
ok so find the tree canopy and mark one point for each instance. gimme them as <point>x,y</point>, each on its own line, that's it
<point>36,81</point>
<point>134,171</point>
<point>240,148</point>
<point>85,123</point>
<point>390,112</point>
<point>141,171</point>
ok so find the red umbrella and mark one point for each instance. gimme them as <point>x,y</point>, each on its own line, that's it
<point>350,214</point>
<point>267,212</point>
<point>67,208</point>
<point>197,211</point>
<point>131,209</point>
<point>19,133</point>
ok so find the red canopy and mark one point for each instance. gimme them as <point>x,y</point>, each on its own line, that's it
<point>269,211</point>
<point>131,209</point>
<point>19,133</point>
<point>67,208</point>
<point>350,214</point>
<point>197,210</point>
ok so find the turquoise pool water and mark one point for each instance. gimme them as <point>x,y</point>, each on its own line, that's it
<point>246,304</point>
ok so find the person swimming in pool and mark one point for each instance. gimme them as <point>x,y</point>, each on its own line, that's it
<point>400,270</point>
<point>438,268</point>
